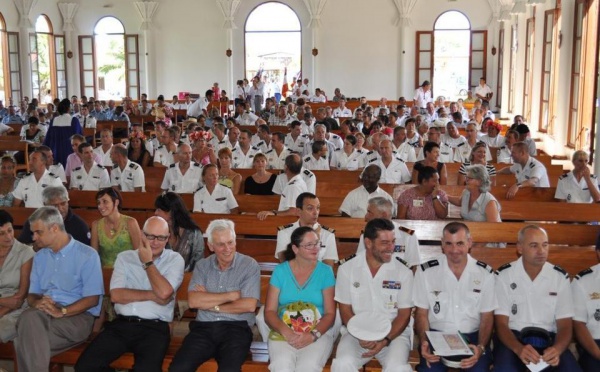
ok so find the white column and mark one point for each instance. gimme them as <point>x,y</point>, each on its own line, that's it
<point>596,163</point>
<point>404,8</point>
<point>315,9</point>
<point>68,10</point>
<point>146,9</point>
<point>25,27</point>
<point>228,8</point>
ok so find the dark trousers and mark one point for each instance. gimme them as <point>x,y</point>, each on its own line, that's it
<point>507,361</point>
<point>587,361</point>
<point>147,340</point>
<point>482,365</point>
<point>226,341</point>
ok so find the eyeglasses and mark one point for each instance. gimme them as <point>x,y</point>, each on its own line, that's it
<point>160,238</point>
<point>310,246</point>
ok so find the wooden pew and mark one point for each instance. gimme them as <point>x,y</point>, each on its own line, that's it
<point>12,144</point>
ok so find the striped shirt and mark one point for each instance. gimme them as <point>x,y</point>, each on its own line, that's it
<point>243,275</point>
<point>489,167</point>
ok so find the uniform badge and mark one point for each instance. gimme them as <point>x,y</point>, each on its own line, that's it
<point>597,315</point>
<point>436,293</point>
<point>436,307</point>
<point>477,282</point>
<point>513,285</point>
<point>595,296</point>
<point>513,309</point>
<point>356,284</point>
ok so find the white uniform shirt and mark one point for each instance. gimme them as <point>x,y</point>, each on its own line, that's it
<point>247,118</point>
<point>406,245</point>
<point>355,203</point>
<point>421,97</point>
<point>391,288</point>
<point>220,201</point>
<point>453,142</point>
<point>294,187</point>
<point>339,113</point>
<point>586,299</point>
<point>341,160</point>
<point>262,146</point>
<point>497,141</point>
<point>59,171</point>
<point>29,190</point>
<point>88,122</point>
<point>504,155</point>
<point>180,183</point>
<point>241,160</point>
<point>371,156</point>
<point>405,152</point>
<point>446,153</point>
<point>277,161</point>
<point>533,168</point>
<point>318,99</point>
<point>195,109</point>
<point>298,145</point>
<point>129,178</point>
<point>572,191</point>
<point>96,179</point>
<point>163,156</point>
<point>328,250</point>
<point>309,178</point>
<point>104,156</point>
<point>537,303</point>
<point>483,91</point>
<point>396,172</point>
<point>462,153</point>
<point>454,304</point>
<point>315,164</point>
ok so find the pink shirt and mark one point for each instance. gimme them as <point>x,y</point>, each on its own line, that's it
<point>419,207</point>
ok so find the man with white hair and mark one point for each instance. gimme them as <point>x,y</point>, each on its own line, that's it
<point>29,189</point>
<point>183,177</point>
<point>225,288</point>
<point>393,169</point>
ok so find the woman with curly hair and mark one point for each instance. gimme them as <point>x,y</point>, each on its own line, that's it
<point>137,152</point>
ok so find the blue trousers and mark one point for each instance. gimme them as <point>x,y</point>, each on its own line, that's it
<point>587,361</point>
<point>482,365</point>
<point>507,361</point>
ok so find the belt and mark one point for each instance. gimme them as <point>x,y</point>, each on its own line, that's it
<point>137,319</point>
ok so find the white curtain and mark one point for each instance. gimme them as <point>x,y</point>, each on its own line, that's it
<point>68,10</point>
<point>315,9</point>
<point>228,8</point>
<point>24,8</point>
<point>146,10</point>
<point>405,8</point>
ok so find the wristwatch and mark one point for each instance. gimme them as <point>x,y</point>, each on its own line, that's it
<point>482,348</point>
<point>389,340</point>
<point>316,334</point>
<point>63,310</point>
<point>147,264</point>
<point>217,308</point>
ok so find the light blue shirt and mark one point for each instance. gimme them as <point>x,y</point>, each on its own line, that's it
<point>69,275</point>
<point>129,273</point>
<point>312,291</point>
<point>12,119</point>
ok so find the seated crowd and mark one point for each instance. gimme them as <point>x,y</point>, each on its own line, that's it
<point>53,290</point>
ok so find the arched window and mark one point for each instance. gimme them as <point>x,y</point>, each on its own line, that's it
<point>43,80</point>
<point>109,61</point>
<point>452,35</point>
<point>10,66</point>
<point>273,45</point>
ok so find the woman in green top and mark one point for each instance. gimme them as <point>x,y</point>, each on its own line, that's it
<point>114,232</point>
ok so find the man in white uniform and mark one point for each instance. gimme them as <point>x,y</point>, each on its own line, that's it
<point>455,293</point>
<point>317,160</point>
<point>163,156</point>
<point>342,111</point>
<point>29,189</point>
<point>183,177</point>
<point>375,281</point>
<point>355,203</point>
<point>403,149</point>
<point>423,95</point>
<point>406,245</point>
<point>126,175</point>
<point>56,169</point>
<point>579,185</point>
<point>295,140</point>
<point>529,171</point>
<point>446,151</point>
<point>531,292</point>
<point>90,175</point>
<point>106,143</point>
<point>243,154</point>
<point>294,187</point>
<point>278,152</point>
<point>483,91</point>
<point>393,169</point>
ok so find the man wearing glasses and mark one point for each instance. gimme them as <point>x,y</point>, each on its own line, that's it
<point>58,197</point>
<point>225,289</point>
<point>143,287</point>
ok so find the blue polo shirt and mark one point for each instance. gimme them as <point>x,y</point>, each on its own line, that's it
<point>69,275</point>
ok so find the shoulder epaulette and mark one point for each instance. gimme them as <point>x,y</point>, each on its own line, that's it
<point>307,159</point>
<point>460,144</point>
<point>53,175</point>
<point>563,176</point>
<point>370,152</point>
<point>531,165</point>
<point>304,135</point>
<point>338,149</point>
<point>270,151</point>
<point>503,267</point>
<point>485,266</point>
<point>279,228</point>
<point>308,173</point>
<point>372,160</point>
<point>255,148</point>
<point>172,165</point>
<point>199,188</point>
<point>76,169</point>
<point>100,166</point>
<point>328,229</point>
<point>503,147</point>
<point>561,270</point>
<point>406,230</point>
<point>344,260</point>
<point>429,264</point>
<point>402,262</point>
<point>400,160</point>
<point>134,166</point>
<point>161,146</point>
<point>583,273</point>
<point>335,136</point>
